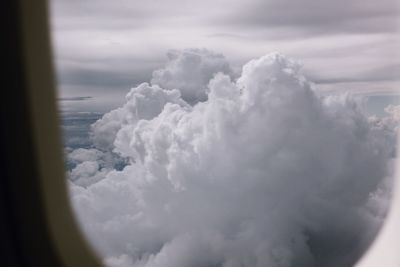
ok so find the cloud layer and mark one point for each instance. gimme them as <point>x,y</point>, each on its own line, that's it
<point>103,47</point>
<point>254,171</point>
<point>322,17</point>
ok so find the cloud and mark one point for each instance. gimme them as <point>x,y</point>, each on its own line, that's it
<point>320,17</point>
<point>394,111</point>
<point>264,172</point>
<point>76,98</point>
<point>386,73</point>
<point>87,173</point>
<point>190,71</point>
<point>307,15</point>
<point>76,126</point>
<point>103,47</point>
<point>99,78</point>
<point>90,165</point>
<point>390,123</point>
<point>144,102</point>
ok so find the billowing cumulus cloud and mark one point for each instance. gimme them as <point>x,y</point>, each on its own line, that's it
<point>261,172</point>
<point>143,103</point>
<point>390,123</point>
<point>190,71</point>
<point>88,166</point>
<point>394,111</point>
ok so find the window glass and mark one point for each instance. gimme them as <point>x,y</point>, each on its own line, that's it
<point>228,133</point>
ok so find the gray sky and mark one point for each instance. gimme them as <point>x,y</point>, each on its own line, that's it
<point>103,47</point>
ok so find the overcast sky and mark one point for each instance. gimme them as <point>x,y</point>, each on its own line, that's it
<point>103,48</point>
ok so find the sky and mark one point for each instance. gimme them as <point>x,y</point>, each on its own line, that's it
<point>104,48</point>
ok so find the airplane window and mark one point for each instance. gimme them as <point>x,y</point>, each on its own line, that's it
<point>228,133</point>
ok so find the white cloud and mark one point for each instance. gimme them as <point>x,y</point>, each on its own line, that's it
<point>87,173</point>
<point>262,173</point>
<point>142,102</point>
<point>390,123</point>
<point>81,155</point>
<point>90,165</point>
<point>394,111</point>
<point>190,71</point>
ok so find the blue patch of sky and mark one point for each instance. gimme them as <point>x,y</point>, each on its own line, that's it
<point>376,104</point>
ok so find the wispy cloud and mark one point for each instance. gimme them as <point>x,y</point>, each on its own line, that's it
<point>114,45</point>
<point>75,98</point>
